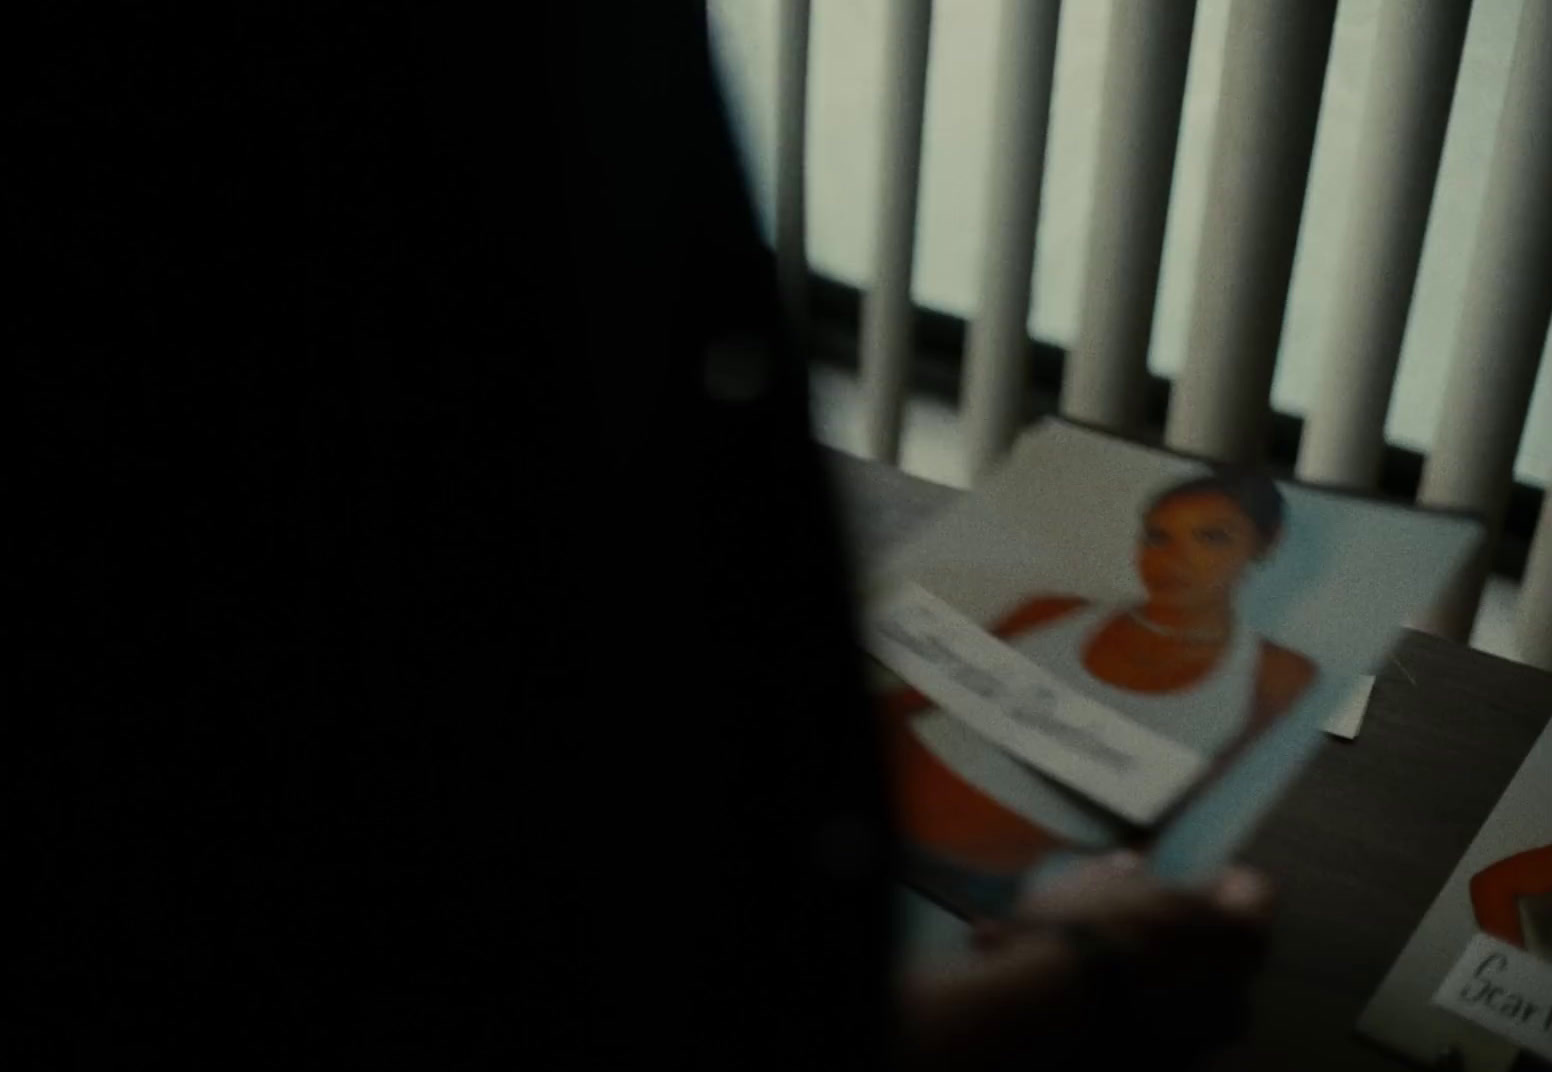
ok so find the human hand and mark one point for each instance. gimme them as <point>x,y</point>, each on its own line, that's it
<point>1104,963</point>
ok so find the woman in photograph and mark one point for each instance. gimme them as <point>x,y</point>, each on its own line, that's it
<point>1179,661</point>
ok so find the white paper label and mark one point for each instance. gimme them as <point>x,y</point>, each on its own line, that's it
<point>1020,707</point>
<point>1503,989</point>
<point>1345,720</point>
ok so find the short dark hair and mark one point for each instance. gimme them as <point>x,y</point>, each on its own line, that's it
<point>1255,495</point>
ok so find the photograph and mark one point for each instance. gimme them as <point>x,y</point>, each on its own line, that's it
<point>1500,893</point>
<point>1216,608</point>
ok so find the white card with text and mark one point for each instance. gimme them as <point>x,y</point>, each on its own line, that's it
<point>1017,705</point>
<point>1504,989</point>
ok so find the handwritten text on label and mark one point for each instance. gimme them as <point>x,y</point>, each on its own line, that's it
<point>1503,989</point>
<point>1020,707</point>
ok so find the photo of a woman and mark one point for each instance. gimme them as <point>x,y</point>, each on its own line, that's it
<point>1180,660</point>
